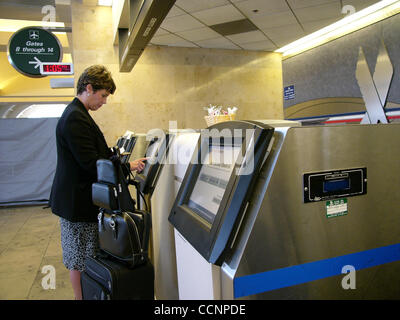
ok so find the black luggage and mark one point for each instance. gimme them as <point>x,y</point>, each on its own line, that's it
<point>123,230</point>
<point>109,279</point>
<point>125,235</point>
<point>122,271</point>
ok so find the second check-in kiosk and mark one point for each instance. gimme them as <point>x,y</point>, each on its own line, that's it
<point>290,213</point>
<point>181,147</point>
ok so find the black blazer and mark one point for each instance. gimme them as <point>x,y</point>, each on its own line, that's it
<point>80,143</point>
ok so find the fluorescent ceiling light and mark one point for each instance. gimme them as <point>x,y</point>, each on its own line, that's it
<point>10,25</point>
<point>356,21</point>
<point>107,3</point>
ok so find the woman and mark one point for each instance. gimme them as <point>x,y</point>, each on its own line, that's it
<point>80,143</point>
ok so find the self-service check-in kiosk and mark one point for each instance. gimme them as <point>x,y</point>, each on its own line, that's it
<point>315,217</point>
<point>182,144</point>
<point>170,155</point>
<point>157,150</point>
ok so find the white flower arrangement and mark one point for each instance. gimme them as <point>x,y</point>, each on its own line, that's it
<point>218,114</point>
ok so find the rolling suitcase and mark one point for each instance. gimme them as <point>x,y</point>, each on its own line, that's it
<point>109,279</point>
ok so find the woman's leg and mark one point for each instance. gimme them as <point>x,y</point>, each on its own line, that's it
<point>78,240</point>
<point>75,276</point>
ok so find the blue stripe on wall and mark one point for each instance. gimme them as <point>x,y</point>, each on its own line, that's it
<point>298,274</point>
<point>333,115</point>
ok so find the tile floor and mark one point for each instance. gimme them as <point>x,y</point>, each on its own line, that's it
<point>30,240</point>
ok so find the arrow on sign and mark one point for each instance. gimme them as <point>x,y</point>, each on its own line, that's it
<point>37,62</point>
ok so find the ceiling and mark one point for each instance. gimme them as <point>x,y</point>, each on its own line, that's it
<point>264,25</point>
<point>226,24</point>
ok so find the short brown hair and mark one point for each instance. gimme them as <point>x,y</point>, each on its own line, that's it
<point>99,77</point>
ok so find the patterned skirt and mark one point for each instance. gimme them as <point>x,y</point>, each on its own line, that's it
<point>78,240</point>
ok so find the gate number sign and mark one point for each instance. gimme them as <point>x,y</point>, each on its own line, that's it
<point>29,47</point>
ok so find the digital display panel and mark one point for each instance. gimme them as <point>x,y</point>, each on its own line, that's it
<point>212,181</point>
<point>333,184</point>
<point>56,68</point>
<point>336,185</point>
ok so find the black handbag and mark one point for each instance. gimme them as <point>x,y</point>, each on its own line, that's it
<point>123,230</point>
<point>125,235</point>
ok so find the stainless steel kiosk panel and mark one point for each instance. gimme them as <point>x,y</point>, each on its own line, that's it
<point>347,247</point>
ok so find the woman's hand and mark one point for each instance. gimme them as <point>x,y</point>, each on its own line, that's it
<point>138,164</point>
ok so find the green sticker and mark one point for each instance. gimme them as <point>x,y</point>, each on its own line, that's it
<point>336,208</point>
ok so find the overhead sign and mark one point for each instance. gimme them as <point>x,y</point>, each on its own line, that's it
<point>29,47</point>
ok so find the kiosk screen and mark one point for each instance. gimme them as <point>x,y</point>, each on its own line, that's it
<point>151,153</point>
<point>213,178</point>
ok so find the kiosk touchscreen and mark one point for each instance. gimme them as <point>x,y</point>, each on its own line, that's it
<point>217,184</point>
<point>126,143</point>
<point>156,151</point>
<point>212,181</point>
